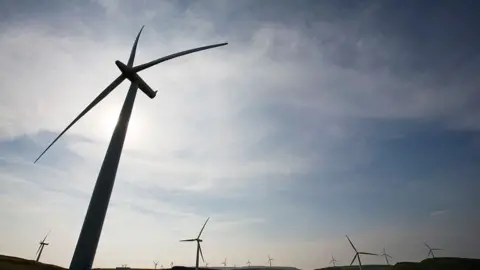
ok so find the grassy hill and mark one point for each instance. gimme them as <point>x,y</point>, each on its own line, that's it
<point>428,264</point>
<point>355,267</point>
<point>14,263</point>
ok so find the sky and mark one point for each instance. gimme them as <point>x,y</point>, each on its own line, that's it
<point>317,120</point>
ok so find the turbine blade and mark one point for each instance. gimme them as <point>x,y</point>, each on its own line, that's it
<point>389,256</point>
<point>99,98</point>
<point>171,56</point>
<point>437,249</point>
<point>38,250</point>
<point>351,243</point>
<point>201,253</point>
<point>188,240</point>
<point>354,257</point>
<point>203,228</point>
<point>427,245</point>
<point>134,49</point>
<point>46,236</point>
<point>367,253</point>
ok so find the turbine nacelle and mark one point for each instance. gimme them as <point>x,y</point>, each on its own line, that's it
<point>133,77</point>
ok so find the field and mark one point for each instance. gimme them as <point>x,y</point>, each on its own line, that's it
<point>14,263</point>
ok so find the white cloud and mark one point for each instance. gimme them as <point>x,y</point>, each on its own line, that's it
<point>201,135</point>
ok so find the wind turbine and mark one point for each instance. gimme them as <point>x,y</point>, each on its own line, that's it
<point>155,263</point>
<point>357,254</point>
<point>333,261</point>
<point>224,262</point>
<point>198,240</point>
<point>92,225</point>
<point>171,264</point>
<point>40,248</point>
<point>249,263</point>
<point>430,250</point>
<point>161,266</point>
<point>386,256</point>
<point>206,264</point>
<point>270,260</point>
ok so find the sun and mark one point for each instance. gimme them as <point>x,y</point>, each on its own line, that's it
<point>108,121</point>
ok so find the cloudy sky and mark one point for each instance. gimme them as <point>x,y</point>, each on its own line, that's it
<point>319,119</point>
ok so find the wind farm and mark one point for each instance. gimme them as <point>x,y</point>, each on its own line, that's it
<point>251,135</point>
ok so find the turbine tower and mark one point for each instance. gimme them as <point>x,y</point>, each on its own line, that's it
<point>386,256</point>
<point>430,250</point>
<point>249,263</point>
<point>40,248</point>
<point>155,263</point>
<point>270,261</point>
<point>87,243</point>
<point>333,261</point>
<point>198,240</point>
<point>357,254</point>
<point>224,262</point>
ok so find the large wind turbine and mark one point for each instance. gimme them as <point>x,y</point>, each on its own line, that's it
<point>386,256</point>
<point>357,254</point>
<point>155,263</point>
<point>40,248</point>
<point>198,240</point>
<point>92,225</point>
<point>224,262</point>
<point>430,250</point>
<point>333,261</point>
<point>249,263</point>
<point>270,260</point>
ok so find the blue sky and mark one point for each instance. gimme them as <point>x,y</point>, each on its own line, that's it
<point>319,119</point>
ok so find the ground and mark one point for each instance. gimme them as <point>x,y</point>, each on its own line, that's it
<point>14,263</point>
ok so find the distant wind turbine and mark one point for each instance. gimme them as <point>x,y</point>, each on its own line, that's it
<point>171,264</point>
<point>155,263</point>
<point>249,263</point>
<point>357,254</point>
<point>430,250</point>
<point>206,264</point>
<point>87,243</point>
<point>270,260</point>
<point>198,240</point>
<point>40,248</point>
<point>386,256</point>
<point>161,266</point>
<point>224,262</point>
<point>333,261</point>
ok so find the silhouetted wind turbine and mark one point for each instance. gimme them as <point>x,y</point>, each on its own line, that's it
<point>171,264</point>
<point>40,248</point>
<point>224,262</point>
<point>249,263</point>
<point>92,226</point>
<point>155,263</point>
<point>386,256</point>
<point>357,254</point>
<point>430,250</point>
<point>333,261</point>
<point>270,261</point>
<point>198,240</point>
